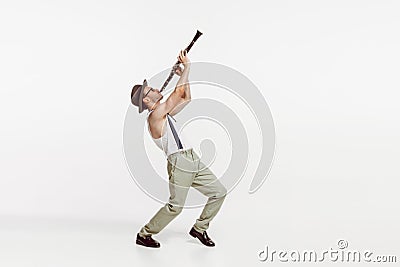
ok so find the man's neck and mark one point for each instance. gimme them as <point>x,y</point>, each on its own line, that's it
<point>155,105</point>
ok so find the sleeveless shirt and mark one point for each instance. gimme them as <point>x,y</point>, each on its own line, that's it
<point>167,141</point>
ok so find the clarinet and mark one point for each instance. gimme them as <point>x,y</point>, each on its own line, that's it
<point>171,74</point>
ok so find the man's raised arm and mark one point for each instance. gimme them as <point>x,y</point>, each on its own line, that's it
<point>181,96</point>
<point>183,81</point>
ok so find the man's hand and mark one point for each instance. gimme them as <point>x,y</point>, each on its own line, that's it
<point>183,58</point>
<point>178,71</point>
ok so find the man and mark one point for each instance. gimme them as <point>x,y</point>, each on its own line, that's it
<point>184,166</point>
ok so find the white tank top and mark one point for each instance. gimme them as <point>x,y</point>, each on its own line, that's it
<point>167,141</point>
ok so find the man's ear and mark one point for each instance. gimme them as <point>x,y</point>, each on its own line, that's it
<point>146,100</point>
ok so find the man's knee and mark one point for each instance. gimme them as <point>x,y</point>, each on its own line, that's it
<point>174,209</point>
<point>221,192</point>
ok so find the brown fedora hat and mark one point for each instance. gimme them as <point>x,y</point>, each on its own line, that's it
<point>137,96</point>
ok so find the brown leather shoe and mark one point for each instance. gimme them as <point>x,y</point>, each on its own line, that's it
<point>147,241</point>
<point>203,237</point>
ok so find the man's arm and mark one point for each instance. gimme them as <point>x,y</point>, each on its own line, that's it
<point>181,95</point>
<point>184,79</point>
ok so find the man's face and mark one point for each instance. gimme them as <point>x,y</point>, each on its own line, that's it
<point>153,94</point>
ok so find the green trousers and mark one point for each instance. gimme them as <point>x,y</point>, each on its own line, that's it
<point>185,169</point>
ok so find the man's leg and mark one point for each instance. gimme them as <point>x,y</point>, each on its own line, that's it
<point>206,182</point>
<point>181,174</point>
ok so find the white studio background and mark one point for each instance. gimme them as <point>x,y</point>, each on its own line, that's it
<point>328,70</point>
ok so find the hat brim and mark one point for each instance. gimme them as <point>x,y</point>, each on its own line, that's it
<point>141,103</point>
